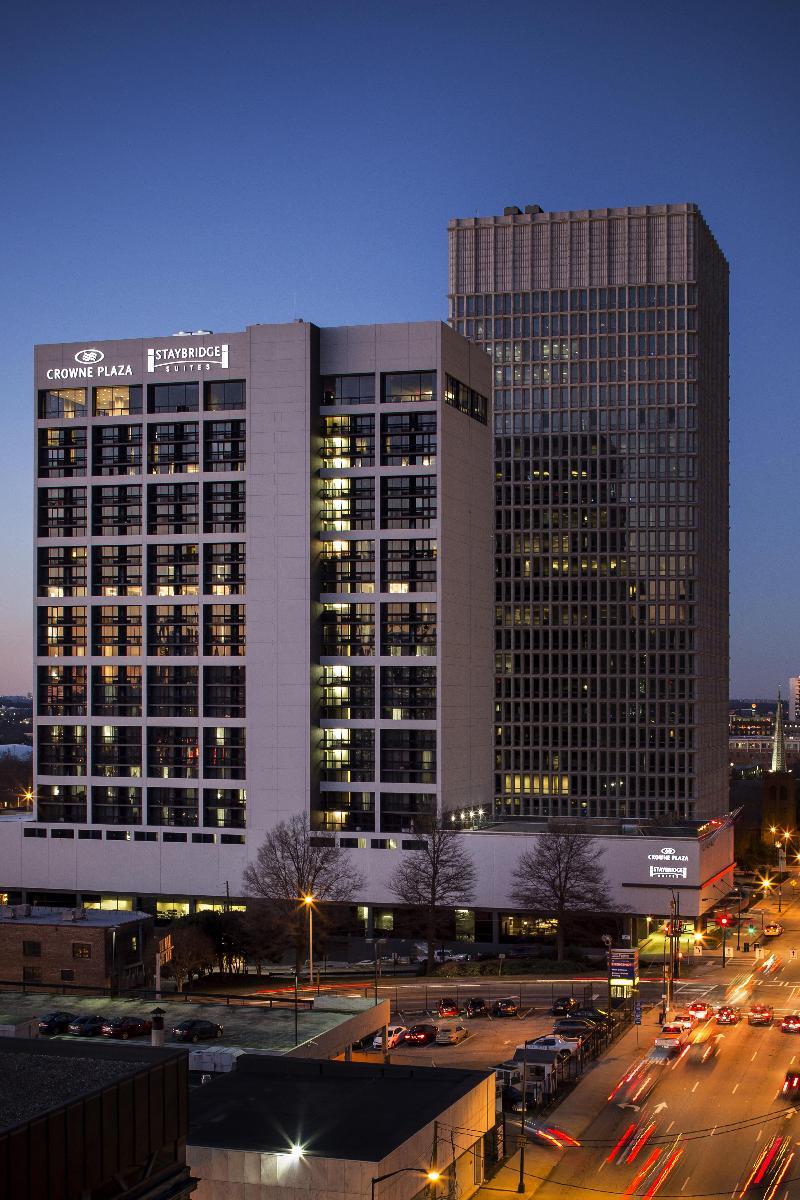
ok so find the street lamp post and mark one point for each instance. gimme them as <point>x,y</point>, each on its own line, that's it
<point>309,903</point>
<point>431,1174</point>
<point>521,1183</point>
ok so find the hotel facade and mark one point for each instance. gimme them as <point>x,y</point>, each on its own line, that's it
<point>263,587</point>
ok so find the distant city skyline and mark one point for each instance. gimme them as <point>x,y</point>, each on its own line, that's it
<point>303,173</point>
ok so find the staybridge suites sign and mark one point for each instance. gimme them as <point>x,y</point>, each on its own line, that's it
<point>181,359</point>
<point>667,864</point>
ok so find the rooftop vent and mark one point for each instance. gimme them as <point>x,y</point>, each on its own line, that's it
<point>203,330</point>
<point>183,333</point>
<point>512,211</point>
<point>532,209</point>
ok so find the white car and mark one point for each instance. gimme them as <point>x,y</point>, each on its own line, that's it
<point>773,930</point>
<point>450,1033</point>
<point>396,1034</point>
<point>553,1041</point>
<point>672,1037</point>
<point>686,1020</point>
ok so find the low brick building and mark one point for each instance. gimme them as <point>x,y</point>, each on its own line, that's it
<point>83,948</point>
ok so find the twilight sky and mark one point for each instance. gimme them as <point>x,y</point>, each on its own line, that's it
<point>183,166</point>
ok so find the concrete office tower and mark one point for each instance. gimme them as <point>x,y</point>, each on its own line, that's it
<point>263,587</point>
<point>608,332</point>
<point>794,699</point>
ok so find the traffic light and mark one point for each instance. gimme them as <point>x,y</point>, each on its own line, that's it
<point>724,920</point>
<point>751,929</point>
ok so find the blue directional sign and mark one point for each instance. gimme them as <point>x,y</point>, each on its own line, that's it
<point>637,1012</point>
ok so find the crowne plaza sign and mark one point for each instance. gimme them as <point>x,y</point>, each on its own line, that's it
<point>668,864</point>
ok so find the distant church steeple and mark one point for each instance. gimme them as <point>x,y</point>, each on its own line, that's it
<point>778,740</point>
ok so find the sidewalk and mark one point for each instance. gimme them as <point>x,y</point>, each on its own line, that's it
<point>576,1112</point>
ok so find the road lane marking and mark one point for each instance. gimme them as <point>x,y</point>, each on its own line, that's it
<point>686,1180</point>
<point>755,1052</point>
<point>696,1086</point>
<point>670,1126</point>
<point>737,1085</point>
<point>713,1131</point>
<point>758,1135</point>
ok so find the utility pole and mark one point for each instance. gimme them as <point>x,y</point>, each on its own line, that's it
<point>521,1183</point>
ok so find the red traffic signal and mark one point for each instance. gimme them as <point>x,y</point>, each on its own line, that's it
<point>724,919</point>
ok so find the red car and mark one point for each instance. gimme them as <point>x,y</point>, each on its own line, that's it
<point>420,1035</point>
<point>126,1027</point>
<point>727,1015</point>
<point>791,1023</point>
<point>447,1007</point>
<point>700,1010</point>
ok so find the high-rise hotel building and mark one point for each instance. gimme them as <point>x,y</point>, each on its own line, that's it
<point>263,586</point>
<point>608,334</point>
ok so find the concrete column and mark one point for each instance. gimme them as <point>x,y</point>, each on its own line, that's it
<point>495,928</point>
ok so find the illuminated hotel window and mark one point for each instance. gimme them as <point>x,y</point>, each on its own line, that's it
<point>117,401</point>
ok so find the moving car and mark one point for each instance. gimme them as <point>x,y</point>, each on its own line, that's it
<point>420,1035</point>
<point>563,1005</point>
<point>791,1023</point>
<point>55,1022</point>
<point>771,1167</point>
<point>639,1080</point>
<point>704,1046</point>
<point>396,1034</point>
<point>684,1019</point>
<point>196,1031</point>
<point>760,1014</point>
<point>550,1135</point>
<point>506,1007</point>
<point>672,1037</point>
<point>728,1015</point>
<point>700,1010</point>
<point>446,1007</point>
<point>773,930</point>
<point>450,1033</point>
<point>476,1007</point>
<point>87,1026</point>
<point>791,1084</point>
<point>126,1027</point>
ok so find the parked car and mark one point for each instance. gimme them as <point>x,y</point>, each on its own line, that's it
<point>86,1026</point>
<point>513,1102</point>
<point>574,1025</point>
<point>555,1041</point>
<point>506,1007</point>
<point>563,1005</point>
<point>760,1014</point>
<point>446,1007</point>
<point>395,1033</point>
<point>55,1022</point>
<point>196,1031</point>
<point>595,1015</point>
<point>451,1032</point>
<point>476,1007</point>
<point>420,1035</point>
<point>126,1027</point>
<point>728,1016</point>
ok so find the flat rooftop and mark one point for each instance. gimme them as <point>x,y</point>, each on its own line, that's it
<point>358,1111</point>
<point>95,918</point>
<point>246,1026</point>
<point>37,1076</point>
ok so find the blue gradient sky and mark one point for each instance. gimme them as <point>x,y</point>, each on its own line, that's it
<point>171,166</point>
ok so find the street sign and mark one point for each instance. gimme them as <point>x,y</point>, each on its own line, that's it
<point>637,1012</point>
<point>623,965</point>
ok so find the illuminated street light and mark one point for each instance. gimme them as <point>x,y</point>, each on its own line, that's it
<point>428,1173</point>
<point>308,900</point>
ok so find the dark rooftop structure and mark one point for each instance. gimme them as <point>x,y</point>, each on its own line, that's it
<point>76,1119</point>
<point>342,1110</point>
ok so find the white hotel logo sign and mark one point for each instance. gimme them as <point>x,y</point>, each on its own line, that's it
<point>666,864</point>
<point>180,359</point>
<point>91,365</point>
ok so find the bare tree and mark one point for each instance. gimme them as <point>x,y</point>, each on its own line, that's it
<point>439,874</point>
<point>289,865</point>
<point>192,951</point>
<point>560,875</point>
